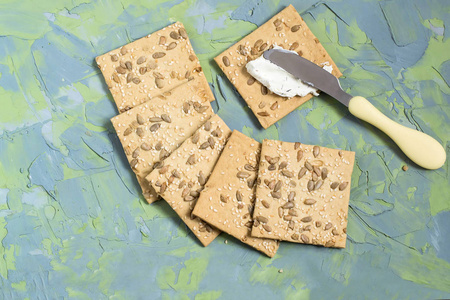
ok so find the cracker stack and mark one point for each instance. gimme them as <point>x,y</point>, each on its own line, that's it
<point>216,180</point>
<point>287,30</point>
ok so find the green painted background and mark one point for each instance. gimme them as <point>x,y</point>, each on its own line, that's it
<point>73,223</point>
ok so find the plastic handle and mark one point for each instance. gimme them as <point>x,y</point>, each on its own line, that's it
<point>418,146</point>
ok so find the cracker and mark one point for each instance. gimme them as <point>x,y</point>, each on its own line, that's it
<point>151,66</point>
<point>186,171</point>
<point>147,139</point>
<point>309,210</point>
<point>229,195</point>
<point>287,30</point>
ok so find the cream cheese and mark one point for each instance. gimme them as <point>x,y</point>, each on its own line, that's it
<point>278,80</point>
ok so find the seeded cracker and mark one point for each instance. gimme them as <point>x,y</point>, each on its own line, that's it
<point>186,171</point>
<point>151,131</point>
<point>287,30</point>
<point>308,189</point>
<point>151,66</point>
<point>229,195</point>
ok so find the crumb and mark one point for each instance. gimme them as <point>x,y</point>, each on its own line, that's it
<point>405,168</point>
<point>226,242</point>
<point>280,271</point>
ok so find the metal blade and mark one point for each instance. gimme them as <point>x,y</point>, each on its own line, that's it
<point>308,72</point>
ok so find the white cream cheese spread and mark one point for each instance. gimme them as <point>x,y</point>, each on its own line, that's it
<point>278,80</point>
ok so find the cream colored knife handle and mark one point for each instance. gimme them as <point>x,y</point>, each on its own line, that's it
<point>418,146</point>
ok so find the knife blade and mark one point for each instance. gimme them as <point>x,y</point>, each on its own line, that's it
<point>418,146</point>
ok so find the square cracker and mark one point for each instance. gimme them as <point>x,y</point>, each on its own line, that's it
<point>150,66</point>
<point>229,195</point>
<point>145,146</point>
<point>288,30</point>
<point>303,194</point>
<point>186,171</point>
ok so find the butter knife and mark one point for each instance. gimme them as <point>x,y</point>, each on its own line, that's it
<point>421,148</point>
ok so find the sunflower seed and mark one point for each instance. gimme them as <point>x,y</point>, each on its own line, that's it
<point>264,90</point>
<point>334,231</point>
<point>291,196</point>
<point>226,61</point>
<point>277,22</point>
<point>280,212</point>
<point>136,80</point>
<point>287,218</point>
<point>122,64</point>
<point>155,119</point>
<point>116,78</point>
<point>267,228</point>
<point>171,46</point>
<point>318,184</point>
<point>155,127</point>
<point>318,224</point>
<point>343,185</point>
<point>262,219</point>
<point>291,225</point>
<point>308,166</point>
<point>140,119</point>
<point>201,178</point>
<point>306,219</point>
<point>217,133</point>
<point>204,145</point>
<point>163,170</point>
<point>271,184</point>
<point>162,40</point>
<point>251,183</point>
<point>309,201</point>
<point>295,236</point>
<point>265,204</point>
<point>188,198</point>
<point>223,198</point>
<point>191,160</point>
<point>328,226</point>
<point>121,70</point>
<point>276,195</point>
<point>329,244</point>
<point>288,205</point>
<point>114,58</point>
<point>163,154</point>
<point>287,173</point>
<point>157,55</point>
<point>272,167</point>
<point>176,174</point>
<point>344,230</point>
<point>272,160</point>
<point>241,50</point>
<point>295,28</point>
<point>136,153</point>
<point>341,153</point>
<point>145,147</point>
<point>195,137</point>
<point>305,238</point>
<point>166,118</point>
<point>123,50</point>
<point>277,186</point>
<point>242,174</point>
<point>263,47</point>
<point>274,105</point>
<point>182,184</point>
<point>251,81</point>
<point>324,173</point>
<point>240,206</point>
<point>316,170</point>
<point>314,177</point>
<point>182,32</point>
<point>294,46</point>
<point>282,165</point>
<point>211,142</point>
<point>310,185</point>
<point>292,184</point>
<point>201,109</point>
<point>316,151</point>
<point>207,126</point>
<point>293,212</point>
<point>249,167</point>
<point>334,185</point>
<point>185,192</point>
<point>158,183</point>
<point>127,131</point>
<point>158,165</point>
<point>129,65</point>
<point>301,173</point>
<point>158,75</point>
<point>263,114</point>
<point>140,132</point>
<point>239,196</point>
<point>174,35</point>
<point>159,83</point>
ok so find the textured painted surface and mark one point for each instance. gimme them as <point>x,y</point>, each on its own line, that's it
<point>72,222</point>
